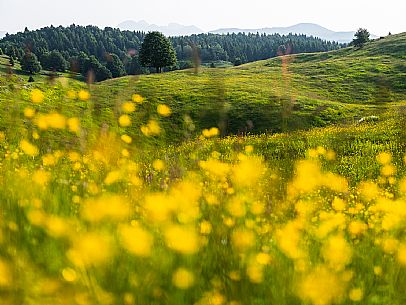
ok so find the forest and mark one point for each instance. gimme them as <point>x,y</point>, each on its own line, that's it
<point>114,53</point>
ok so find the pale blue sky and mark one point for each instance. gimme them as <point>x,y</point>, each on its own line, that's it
<point>379,17</point>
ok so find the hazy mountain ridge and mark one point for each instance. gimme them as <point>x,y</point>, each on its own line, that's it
<point>172,29</point>
<point>309,29</point>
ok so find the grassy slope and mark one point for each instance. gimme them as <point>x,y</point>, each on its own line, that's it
<point>43,256</point>
<point>279,94</point>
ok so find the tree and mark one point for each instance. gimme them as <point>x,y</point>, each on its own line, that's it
<point>30,63</point>
<point>11,61</point>
<point>92,65</point>
<point>361,37</point>
<point>134,66</point>
<point>115,65</point>
<point>237,62</point>
<point>54,61</point>
<point>157,51</point>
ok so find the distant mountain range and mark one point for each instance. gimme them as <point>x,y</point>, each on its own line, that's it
<point>309,29</point>
<point>175,29</point>
<point>172,29</point>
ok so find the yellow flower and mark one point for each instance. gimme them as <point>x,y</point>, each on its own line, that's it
<point>72,94</point>
<point>151,129</point>
<point>263,258</point>
<point>243,239</point>
<point>402,254</point>
<point>164,110</point>
<point>182,239</point>
<point>205,227</point>
<point>73,125</point>
<point>41,177</point>
<point>28,148</point>
<point>29,112</point>
<point>338,204</point>
<point>137,98</point>
<point>378,270</point>
<point>90,249</point>
<point>136,240</point>
<point>321,287</point>
<point>356,294</point>
<point>84,95</point>
<point>249,149</point>
<point>357,227</point>
<point>384,158</point>
<point>388,170</point>
<point>128,107</point>
<point>212,132</point>
<point>126,138</point>
<point>37,96</point>
<point>336,252</point>
<point>183,278</point>
<point>5,274</point>
<point>158,165</point>
<point>124,120</point>
<point>69,274</point>
<point>108,207</point>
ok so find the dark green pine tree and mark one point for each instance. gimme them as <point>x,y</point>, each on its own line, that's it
<point>92,65</point>
<point>157,51</point>
<point>134,66</point>
<point>29,63</point>
<point>361,37</point>
<point>115,65</point>
<point>54,61</point>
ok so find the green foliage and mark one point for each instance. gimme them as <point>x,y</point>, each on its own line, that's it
<point>93,66</point>
<point>29,63</point>
<point>72,40</point>
<point>115,65</point>
<point>157,52</point>
<point>133,66</point>
<point>361,37</point>
<point>54,61</point>
<point>91,223</point>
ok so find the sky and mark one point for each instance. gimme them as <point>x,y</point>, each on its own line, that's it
<point>379,17</point>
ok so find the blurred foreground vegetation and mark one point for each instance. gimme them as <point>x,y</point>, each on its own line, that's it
<point>125,192</point>
<point>92,215</point>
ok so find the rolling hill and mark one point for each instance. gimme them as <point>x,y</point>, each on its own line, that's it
<point>279,94</point>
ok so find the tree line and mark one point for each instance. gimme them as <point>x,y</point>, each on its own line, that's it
<point>113,53</point>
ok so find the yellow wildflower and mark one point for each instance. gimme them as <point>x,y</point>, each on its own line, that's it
<point>28,148</point>
<point>164,110</point>
<point>124,120</point>
<point>37,96</point>
<point>183,278</point>
<point>84,95</point>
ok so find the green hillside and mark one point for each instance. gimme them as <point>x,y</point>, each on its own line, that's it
<point>102,203</point>
<point>280,94</point>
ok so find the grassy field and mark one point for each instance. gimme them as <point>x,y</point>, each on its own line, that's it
<point>101,202</point>
<point>281,94</point>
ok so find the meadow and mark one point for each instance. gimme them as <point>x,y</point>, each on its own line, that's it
<point>158,190</point>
